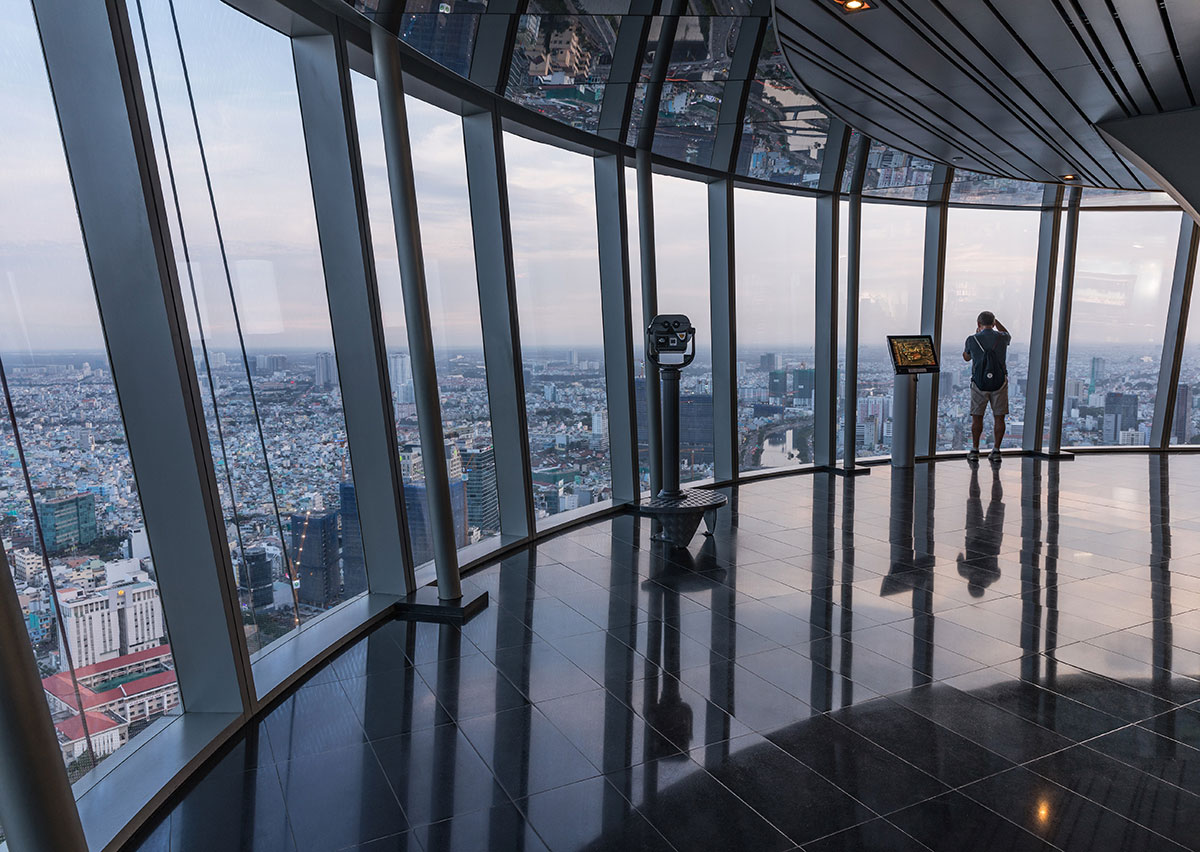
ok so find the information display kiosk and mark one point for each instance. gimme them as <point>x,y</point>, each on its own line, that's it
<point>912,355</point>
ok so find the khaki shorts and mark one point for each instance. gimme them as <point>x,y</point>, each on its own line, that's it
<point>997,398</point>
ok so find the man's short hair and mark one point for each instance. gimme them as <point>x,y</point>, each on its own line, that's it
<point>987,318</point>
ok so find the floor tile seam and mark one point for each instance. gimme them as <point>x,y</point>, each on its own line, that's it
<point>763,817</point>
<point>1119,683</point>
<point>813,843</point>
<point>1195,677</point>
<point>992,811</point>
<point>1071,792</point>
<point>991,706</point>
<point>885,749</point>
<point>1187,793</point>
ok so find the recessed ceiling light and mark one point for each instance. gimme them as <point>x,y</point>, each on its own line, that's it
<point>1068,177</point>
<point>851,6</point>
<point>956,159</point>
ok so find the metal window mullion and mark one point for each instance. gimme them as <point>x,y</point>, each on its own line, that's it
<point>1041,325</point>
<point>742,68</point>
<point>492,52</point>
<point>658,72</point>
<point>722,280</point>
<point>826,307</point>
<point>496,278</point>
<point>1065,293</point>
<point>107,139</point>
<point>615,304</point>
<point>339,196</point>
<point>388,76</point>
<point>933,286</point>
<point>853,281</point>
<point>617,103</point>
<point>1173,340</point>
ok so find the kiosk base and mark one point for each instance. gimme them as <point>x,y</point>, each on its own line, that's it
<point>679,517</point>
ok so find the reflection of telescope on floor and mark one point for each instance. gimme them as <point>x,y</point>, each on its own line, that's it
<point>671,346</point>
<point>673,572</point>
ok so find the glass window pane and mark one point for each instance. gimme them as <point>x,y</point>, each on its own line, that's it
<point>82,567</point>
<point>681,249</point>
<point>560,65</point>
<point>893,239</point>
<point>443,30</point>
<point>784,133</point>
<point>1123,268</point>
<point>553,207</point>
<point>257,307</point>
<point>776,295</point>
<point>991,264</point>
<point>976,188</point>
<point>439,167</point>
<point>896,174</point>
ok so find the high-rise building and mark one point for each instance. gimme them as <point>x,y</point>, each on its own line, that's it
<point>326,376</point>
<point>111,621</point>
<point>420,529</point>
<point>777,384</point>
<point>1099,373</point>
<point>1120,414</point>
<point>695,424</point>
<point>68,521</point>
<point>255,581</point>
<point>26,565</point>
<point>804,383</point>
<point>770,361</point>
<point>444,31</point>
<point>483,502</point>
<point>1181,431</point>
<point>354,563</point>
<point>315,557</point>
<point>550,392</point>
<point>400,372</point>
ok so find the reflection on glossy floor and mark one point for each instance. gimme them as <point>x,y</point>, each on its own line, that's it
<point>960,658</point>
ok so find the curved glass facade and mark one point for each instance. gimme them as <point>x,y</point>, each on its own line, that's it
<point>304,370</point>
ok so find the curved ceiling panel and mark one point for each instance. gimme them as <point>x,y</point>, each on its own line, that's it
<point>1007,87</point>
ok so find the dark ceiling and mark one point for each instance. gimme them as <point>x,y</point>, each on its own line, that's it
<point>1008,87</point>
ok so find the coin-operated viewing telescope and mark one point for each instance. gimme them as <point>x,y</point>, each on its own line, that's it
<point>671,346</point>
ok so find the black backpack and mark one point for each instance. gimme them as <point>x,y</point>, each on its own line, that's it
<point>994,374</point>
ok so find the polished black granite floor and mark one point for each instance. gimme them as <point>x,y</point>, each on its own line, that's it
<point>961,658</point>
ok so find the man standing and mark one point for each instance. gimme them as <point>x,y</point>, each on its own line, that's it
<point>987,349</point>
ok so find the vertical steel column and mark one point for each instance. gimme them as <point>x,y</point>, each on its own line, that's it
<point>339,197</point>
<point>386,51</point>
<point>487,184</point>
<point>853,277</point>
<point>1173,341</point>
<point>645,189</point>
<point>742,68</point>
<point>1065,292</point>
<point>37,807</point>
<point>615,304</point>
<point>106,134</point>
<point>649,264</point>
<point>722,271</point>
<point>1043,315</point>
<point>932,292</point>
<point>825,356</point>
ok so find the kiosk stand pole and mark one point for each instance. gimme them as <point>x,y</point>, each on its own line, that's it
<point>670,422</point>
<point>904,420</point>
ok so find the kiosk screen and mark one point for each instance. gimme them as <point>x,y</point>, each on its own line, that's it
<point>912,353</point>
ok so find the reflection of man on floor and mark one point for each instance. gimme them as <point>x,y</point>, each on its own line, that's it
<point>980,564</point>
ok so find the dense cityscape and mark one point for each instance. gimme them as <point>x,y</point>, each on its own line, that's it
<point>292,522</point>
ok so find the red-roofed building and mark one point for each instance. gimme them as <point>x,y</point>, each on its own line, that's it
<point>108,734</point>
<point>130,689</point>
